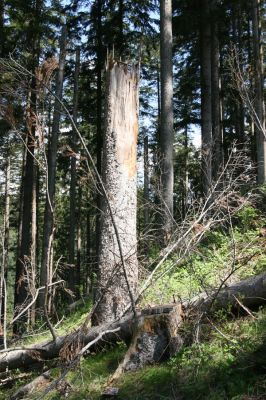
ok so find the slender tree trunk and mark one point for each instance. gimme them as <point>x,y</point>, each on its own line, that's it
<point>241,110</point>
<point>206,101</point>
<point>23,263</point>
<point>217,160</point>
<point>259,96</point>
<point>99,138</point>
<point>250,118</point>
<point>146,193</point>
<point>158,99</point>
<point>5,253</point>
<point>121,44</point>
<point>2,36</point>
<point>87,284</point>
<point>167,120</point>
<point>48,233</point>
<point>185,176</point>
<point>26,252</point>
<point>79,243</point>
<point>32,278</point>
<point>119,176</point>
<point>237,106</point>
<point>73,181</point>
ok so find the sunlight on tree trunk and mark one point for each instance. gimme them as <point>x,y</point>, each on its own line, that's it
<point>119,176</point>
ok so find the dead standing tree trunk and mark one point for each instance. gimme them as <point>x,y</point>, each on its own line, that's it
<point>117,280</point>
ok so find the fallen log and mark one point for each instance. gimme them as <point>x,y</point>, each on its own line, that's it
<point>22,357</point>
<point>38,383</point>
<point>251,292</point>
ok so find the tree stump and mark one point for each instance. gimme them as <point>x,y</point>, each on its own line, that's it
<point>155,338</point>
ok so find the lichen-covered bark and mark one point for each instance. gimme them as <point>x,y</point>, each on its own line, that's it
<point>119,177</point>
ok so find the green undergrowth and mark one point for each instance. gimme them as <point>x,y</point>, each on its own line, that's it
<point>227,362</point>
<point>224,358</point>
<point>225,254</point>
<point>68,323</point>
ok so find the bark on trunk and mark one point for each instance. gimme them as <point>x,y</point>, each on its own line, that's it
<point>167,119</point>
<point>99,135</point>
<point>121,39</point>
<point>45,275</point>
<point>5,252</point>
<point>238,107</point>
<point>27,225</point>
<point>34,230</point>
<point>185,176</point>
<point>206,101</point>
<point>73,182</point>
<point>217,161</point>
<point>259,96</point>
<point>119,177</point>
<point>79,244</point>
<point>2,37</point>
<point>146,194</point>
<point>87,283</point>
<point>23,262</point>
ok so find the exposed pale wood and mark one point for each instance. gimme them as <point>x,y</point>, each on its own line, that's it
<point>155,338</point>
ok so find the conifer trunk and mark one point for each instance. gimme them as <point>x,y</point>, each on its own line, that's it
<point>5,252</point>
<point>99,138</point>
<point>259,96</point>
<point>52,159</point>
<point>146,193</point>
<point>167,119</point>
<point>73,182</point>
<point>26,250</point>
<point>206,101</point>
<point>217,159</point>
<point>119,176</point>
<point>2,39</point>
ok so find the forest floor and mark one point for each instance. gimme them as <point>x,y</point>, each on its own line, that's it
<point>227,362</point>
<point>224,357</point>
